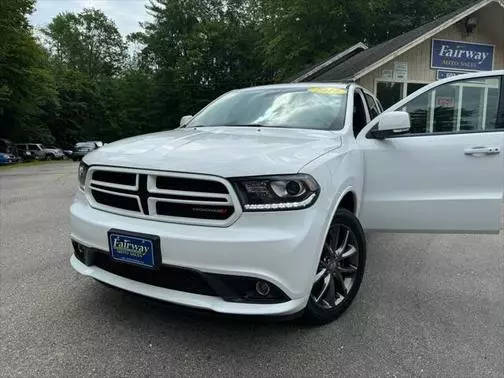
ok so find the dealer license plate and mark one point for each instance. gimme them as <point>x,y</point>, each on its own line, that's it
<point>134,248</point>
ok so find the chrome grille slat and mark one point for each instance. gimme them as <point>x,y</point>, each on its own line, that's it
<point>193,207</point>
<point>119,195</point>
<point>152,188</point>
<point>117,186</point>
<point>191,202</point>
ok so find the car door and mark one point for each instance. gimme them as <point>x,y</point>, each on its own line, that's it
<point>447,173</point>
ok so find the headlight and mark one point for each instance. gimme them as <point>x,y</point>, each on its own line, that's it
<point>276,192</point>
<point>81,174</point>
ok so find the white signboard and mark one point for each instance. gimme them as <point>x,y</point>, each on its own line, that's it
<point>400,71</point>
<point>387,74</point>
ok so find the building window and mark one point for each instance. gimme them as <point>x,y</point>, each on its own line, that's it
<point>413,87</point>
<point>389,93</point>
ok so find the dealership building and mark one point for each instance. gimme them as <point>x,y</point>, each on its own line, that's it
<point>467,40</point>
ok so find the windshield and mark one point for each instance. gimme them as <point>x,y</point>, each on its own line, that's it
<point>321,108</point>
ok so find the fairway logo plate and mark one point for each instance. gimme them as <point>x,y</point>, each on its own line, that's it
<point>131,249</point>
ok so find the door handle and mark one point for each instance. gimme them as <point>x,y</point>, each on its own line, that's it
<point>482,151</point>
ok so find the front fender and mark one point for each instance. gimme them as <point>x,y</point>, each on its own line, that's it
<point>338,173</point>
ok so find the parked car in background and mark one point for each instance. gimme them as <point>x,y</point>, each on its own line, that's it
<point>9,150</point>
<point>54,153</point>
<point>83,148</point>
<point>36,150</point>
<point>68,152</point>
<point>7,158</point>
<point>26,155</point>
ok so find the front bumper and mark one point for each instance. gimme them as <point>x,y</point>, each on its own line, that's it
<point>205,302</point>
<point>281,248</point>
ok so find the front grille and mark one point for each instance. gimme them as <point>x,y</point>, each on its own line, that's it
<point>170,197</point>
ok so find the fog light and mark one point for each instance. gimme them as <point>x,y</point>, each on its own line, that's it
<point>262,288</point>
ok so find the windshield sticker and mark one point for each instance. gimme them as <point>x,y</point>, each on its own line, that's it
<point>328,91</point>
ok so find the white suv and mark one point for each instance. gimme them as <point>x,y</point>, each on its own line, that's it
<point>257,204</point>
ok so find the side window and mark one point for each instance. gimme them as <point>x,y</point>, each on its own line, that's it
<point>33,147</point>
<point>374,109</point>
<point>359,113</point>
<point>459,106</point>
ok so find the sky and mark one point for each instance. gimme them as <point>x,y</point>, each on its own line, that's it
<point>125,13</point>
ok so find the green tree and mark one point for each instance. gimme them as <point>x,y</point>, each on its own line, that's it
<point>390,18</point>
<point>88,56</point>
<point>26,83</point>
<point>197,50</point>
<point>297,33</point>
<point>88,42</point>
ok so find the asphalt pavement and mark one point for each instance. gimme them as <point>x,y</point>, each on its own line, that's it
<point>430,305</point>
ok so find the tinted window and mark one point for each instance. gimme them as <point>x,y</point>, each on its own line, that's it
<point>464,105</point>
<point>374,110</point>
<point>359,113</point>
<point>291,107</point>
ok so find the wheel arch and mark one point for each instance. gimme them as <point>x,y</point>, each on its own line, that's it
<point>348,201</point>
<point>344,195</point>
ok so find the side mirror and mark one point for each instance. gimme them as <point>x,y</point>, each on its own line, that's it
<point>390,124</point>
<point>185,120</point>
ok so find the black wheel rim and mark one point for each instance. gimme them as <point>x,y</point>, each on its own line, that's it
<point>338,268</point>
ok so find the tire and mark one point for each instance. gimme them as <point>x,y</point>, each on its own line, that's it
<point>49,157</point>
<point>340,270</point>
<point>75,159</point>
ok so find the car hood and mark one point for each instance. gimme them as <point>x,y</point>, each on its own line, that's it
<point>221,151</point>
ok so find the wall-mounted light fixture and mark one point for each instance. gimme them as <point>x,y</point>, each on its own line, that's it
<point>471,23</point>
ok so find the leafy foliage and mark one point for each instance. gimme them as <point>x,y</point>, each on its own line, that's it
<point>26,84</point>
<point>87,42</point>
<point>85,81</point>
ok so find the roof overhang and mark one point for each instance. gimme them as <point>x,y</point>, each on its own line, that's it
<point>339,57</point>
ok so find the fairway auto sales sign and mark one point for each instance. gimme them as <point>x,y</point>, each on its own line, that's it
<point>465,56</point>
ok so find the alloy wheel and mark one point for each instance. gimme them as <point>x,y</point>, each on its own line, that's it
<point>338,268</point>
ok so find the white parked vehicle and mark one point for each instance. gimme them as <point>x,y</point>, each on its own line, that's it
<point>257,204</point>
<point>32,150</point>
<point>54,153</point>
